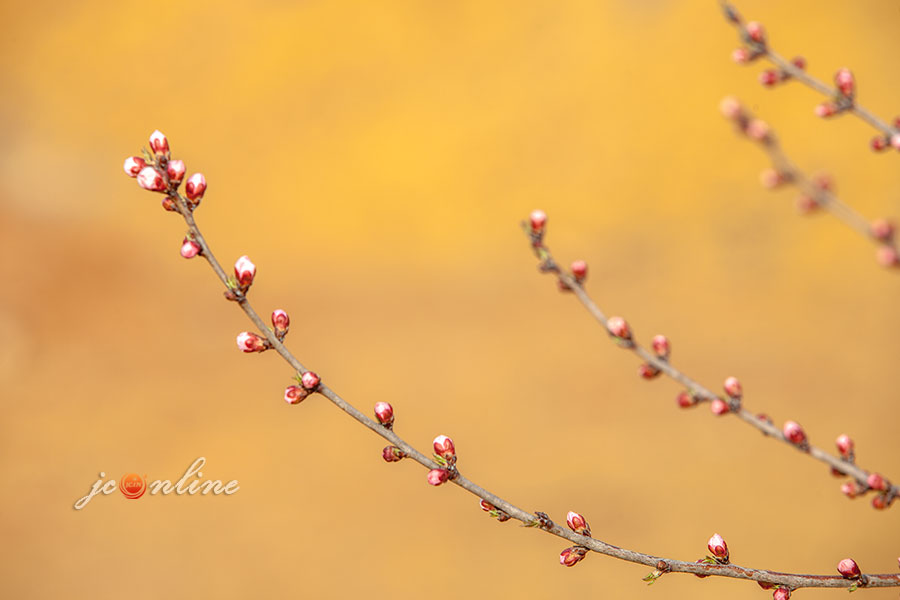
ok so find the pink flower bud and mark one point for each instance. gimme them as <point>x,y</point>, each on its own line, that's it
<point>718,547</point>
<point>879,143</point>
<point>843,79</point>
<point>189,248</point>
<point>393,454</point>
<point>133,165</point>
<point>310,381</point>
<point>579,270</point>
<point>844,445</point>
<point>730,107</point>
<point>879,502</point>
<point>280,321</point>
<point>823,181</point>
<point>384,412</point>
<point>195,187</point>
<point>572,556</point>
<point>619,328</point>
<point>685,400</point>
<point>740,55</point>
<point>733,387</point>
<point>443,447</point>
<point>895,141</point>
<point>770,178</point>
<point>294,394</point>
<point>825,110</point>
<point>486,506</point>
<point>660,345</point>
<point>887,256</point>
<point>175,170</point>
<point>876,481</point>
<point>882,229</point>
<point>756,32</point>
<point>538,221</point>
<point>244,271</point>
<point>250,342</point>
<point>758,130</point>
<point>158,143</point>
<point>848,568</point>
<point>799,62</point>
<point>151,179</point>
<point>781,593</point>
<point>769,77</point>
<point>849,489</point>
<point>648,371</point>
<point>169,204</point>
<point>794,433</point>
<point>806,204</point>
<point>719,407</point>
<point>577,523</point>
<point>438,476</point>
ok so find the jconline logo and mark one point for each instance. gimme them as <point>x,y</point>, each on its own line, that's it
<point>133,485</point>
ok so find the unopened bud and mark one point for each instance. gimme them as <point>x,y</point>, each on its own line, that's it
<point>392,454</point>
<point>848,569</point>
<point>579,270</point>
<point>887,256</point>
<point>443,447</point>
<point>733,387</point>
<point>437,476</point>
<point>879,143</point>
<point>195,187</point>
<point>281,322</point>
<point>825,110</point>
<point>384,412</point>
<point>794,433</point>
<point>158,143</point>
<point>770,178</point>
<point>294,394</point>
<point>578,524</point>
<point>781,593</point>
<point>572,556</point>
<point>647,371</point>
<point>133,165</point>
<point>719,407</point>
<point>686,400</point>
<point>806,204</point>
<point>844,445</point>
<point>244,271</point>
<point>741,55</point>
<point>769,77</point>
<point>618,327</point>
<point>882,229</point>
<point>843,79</point>
<point>758,130</point>
<point>718,547</point>
<point>189,248</point>
<point>879,502</point>
<point>850,489</point>
<point>895,141</point>
<point>310,381</point>
<point>538,221</point>
<point>756,32</point>
<point>250,342</point>
<point>730,107</point>
<point>876,482</point>
<point>151,179</point>
<point>660,345</point>
<point>175,170</point>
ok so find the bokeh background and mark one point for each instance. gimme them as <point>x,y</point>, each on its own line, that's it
<point>374,160</point>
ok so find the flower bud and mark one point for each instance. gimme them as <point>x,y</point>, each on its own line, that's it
<point>781,593</point>
<point>133,165</point>
<point>756,32</point>
<point>844,445</point>
<point>660,345</point>
<point>799,62</point>
<point>579,270</point>
<point>879,143</point>
<point>850,489</point>
<point>250,342</point>
<point>879,502</point>
<point>806,204</point>
<point>770,178</point>
<point>151,179</point>
<point>281,322</point>
<point>577,523</point>
<point>876,481</point>
<point>719,407</point>
<point>443,447</point>
<point>769,77</point>
<point>733,387</point>
<point>895,141</point>
<point>648,371</point>
<point>686,400</point>
<point>384,412</point>
<point>393,454</point>
<point>887,256</point>
<point>195,187</point>
<point>310,381</point>
<point>437,476</point>
<point>618,327</point>
<point>244,271</point>
<point>730,107</point>
<point>825,110</point>
<point>158,143</point>
<point>758,130</point>
<point>175,170</point>
<point>718,547</point>
<point>843,79</point>
<point>882,229</point>
<point>741,55</point>
<point>294,394</point>
<point>848,568</point>
<point>189,248</point>
<point>572,556</point>
<point>794,433</point>
<point>169,204</point>
<point>538,221</point>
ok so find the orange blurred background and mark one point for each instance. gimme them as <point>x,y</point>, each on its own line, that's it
<point>374,160</point>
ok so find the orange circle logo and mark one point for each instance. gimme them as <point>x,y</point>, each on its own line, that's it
<point>132,486</point>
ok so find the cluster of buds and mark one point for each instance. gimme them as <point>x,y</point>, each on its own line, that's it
<point>444,455</point>
<point>392,454</point>
<point>661,348</point>
<point>772,77</point>
<point>309,383</point>
<point>755,129</point>
<point>157,172</point>
<point>281,322</point>
<point>842,100</point>
<point>883,232</point>
<point>618,328</point>
<point>384,412</point>
<point>492,510</point>
<point>811,200</point>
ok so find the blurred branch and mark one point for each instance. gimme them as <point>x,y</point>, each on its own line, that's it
<point>816,192</point>
<point>656,362</point>
<point>157,172</point>
<point>842,98</point>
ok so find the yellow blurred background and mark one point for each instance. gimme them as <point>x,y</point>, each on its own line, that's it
<point>374,160</point>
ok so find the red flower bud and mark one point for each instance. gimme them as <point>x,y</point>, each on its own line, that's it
<point>685,400</point>
<point>843,79</point>
<point>294,394</point>
<point>799,62</point>
<point>189,248</point>
<point>887,256</point>
<point>133,165</point>
<point>169,204</point>
<point>882,229</point>
<point>384,412</point>
<point>758,130</point>
<point>879,502</point>
<point>618,327</point>
<point>250,342</point>
<point>577,523</point>
<point>733,387</point>
<point>756,32</point>
<point>769,77</point>
<point>794,433</point>
<point>648,371</point>
<point>538,221</point>
<point>572,556</point>
<point>310,381</point>
<point>244,271</point>
<point>281,322</point>
<point>879,143</point>
<point>844,445</point>
<point>437,476</point>
<point>195,187</point>
<point>579,270</point>
<point>876,482</point>
<point>392,454</point>
<point>825,110</point>
<point>443,447</point>
<point>151,179</point>
<point>848,568</point>
<point>849,489</point>
<point>781,593</point>
<point>660,345</point>
<point>158,143</point>
<point>175,170</point>
<point>719,407</point>
<point>718,547</point>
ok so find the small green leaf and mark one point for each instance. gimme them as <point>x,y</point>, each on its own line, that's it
<point>853,587</point>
